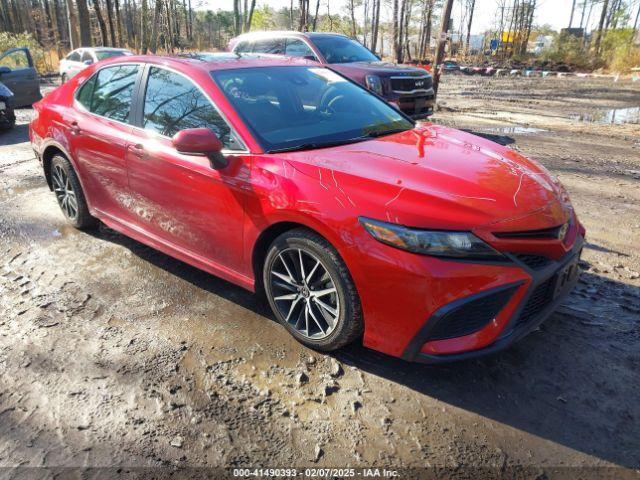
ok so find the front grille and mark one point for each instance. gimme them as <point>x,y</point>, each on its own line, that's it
<point>411,84</point>
<point>541,297</point>
<point>471,316</point>
<point>545,233</point>
<point>535,262</point>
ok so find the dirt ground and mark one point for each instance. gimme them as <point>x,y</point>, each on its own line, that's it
<point>112,354</point>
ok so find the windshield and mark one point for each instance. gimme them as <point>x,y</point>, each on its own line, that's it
<point>336,49</point>
<point>296,108</point>
<point>102,54</point>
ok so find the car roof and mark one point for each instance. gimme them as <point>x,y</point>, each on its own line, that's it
<point>288,33</point>
<point>209,61</point>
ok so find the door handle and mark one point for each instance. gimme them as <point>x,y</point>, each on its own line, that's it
<point>137,150</point>
<point>75,129</point>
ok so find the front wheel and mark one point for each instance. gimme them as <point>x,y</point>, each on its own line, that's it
<point>311,291</point>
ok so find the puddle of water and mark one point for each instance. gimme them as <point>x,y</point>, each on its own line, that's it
<point>615,116</point>
<point>510,130</point>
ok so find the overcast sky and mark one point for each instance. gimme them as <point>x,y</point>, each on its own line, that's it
<point>553,12</point>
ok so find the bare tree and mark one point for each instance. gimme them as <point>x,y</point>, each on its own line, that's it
<point>471,5</point>
<point>85,23</point>
<point>603,17</point>
<point>74,36</point>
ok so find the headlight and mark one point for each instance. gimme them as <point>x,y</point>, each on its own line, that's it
<point>373,83</point>
<point>431,242</point>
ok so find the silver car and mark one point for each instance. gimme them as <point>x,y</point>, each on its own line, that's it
<point>80,58</point>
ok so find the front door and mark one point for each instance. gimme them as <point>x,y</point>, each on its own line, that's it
<point>180,198</point>
<point>21,78</point>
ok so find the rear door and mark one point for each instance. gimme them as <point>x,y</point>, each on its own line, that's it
<point>99,130</point>
<point>22,78</point>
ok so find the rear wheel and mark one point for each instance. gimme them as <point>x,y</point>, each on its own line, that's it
<point>311,291</point>
<point>68,191</point>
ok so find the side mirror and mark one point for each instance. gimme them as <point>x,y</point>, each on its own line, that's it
<point>201,141</point>
<point>88,62</point>
<point>4,69</point>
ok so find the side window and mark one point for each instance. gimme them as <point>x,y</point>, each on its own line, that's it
<point>297,48</point>
<point>74,56</point>
<point>15,60</point>
<point>86,55</point>
<point>173,103</point>
<point>86,92</point>
<point>109,93</point>
<point>243,47</point>
<point>273,46</point>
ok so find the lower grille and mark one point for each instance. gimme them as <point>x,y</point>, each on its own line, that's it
<point>471,316</point>
<point>541,297</point>
<point>535,262</point>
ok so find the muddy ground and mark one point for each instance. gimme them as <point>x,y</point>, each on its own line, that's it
<point>112,354</point>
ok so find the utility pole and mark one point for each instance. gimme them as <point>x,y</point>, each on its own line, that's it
<point>442,41</point>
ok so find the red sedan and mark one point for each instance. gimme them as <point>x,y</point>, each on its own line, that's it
<point>284,177</point>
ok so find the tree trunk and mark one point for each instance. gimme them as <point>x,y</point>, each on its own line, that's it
<point>112,33</point>
<point>154,26</point>
<point>85,23</point>
<point>573,9</point>
<point>375,24</point>
<point>472,7</point>
<point>119,23</point>
<point>101,24</point>
<point>395,29</point>
<point>352,13</point>
<point>250,16</point>
<point>315,17</point>
<point>603,17</point>
<point>74,37</point>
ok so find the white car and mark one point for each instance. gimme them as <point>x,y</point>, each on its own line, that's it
<point>80,58</point>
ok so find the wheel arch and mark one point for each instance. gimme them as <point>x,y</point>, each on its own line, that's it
<point>48,153</point>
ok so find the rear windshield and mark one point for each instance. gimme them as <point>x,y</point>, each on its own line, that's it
<point>300,107</point>
<point>337,49</point>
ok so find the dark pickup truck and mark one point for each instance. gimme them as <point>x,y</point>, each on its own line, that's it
<point>408,88</point>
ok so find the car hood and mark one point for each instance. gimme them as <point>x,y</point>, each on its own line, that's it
<point>437,177</point>
<point>378,68</point>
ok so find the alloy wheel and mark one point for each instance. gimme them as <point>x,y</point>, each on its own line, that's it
<point>304,293</point>
<point>64,192</point>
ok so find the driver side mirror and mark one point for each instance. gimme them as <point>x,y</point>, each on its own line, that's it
<point>201,141</point>
<point>4,69</point>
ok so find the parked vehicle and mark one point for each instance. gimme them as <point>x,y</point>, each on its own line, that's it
<point>285,177</point>
<point>451,66</point>
<point>408,88</point>
<point>78,59</point>
<point>7,116</point>
<point>18,73</point>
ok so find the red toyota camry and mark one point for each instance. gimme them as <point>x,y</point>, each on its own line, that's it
<point>284,177</point>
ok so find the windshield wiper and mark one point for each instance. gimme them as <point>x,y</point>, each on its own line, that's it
<point>383,133</point>
<point>314,145</point>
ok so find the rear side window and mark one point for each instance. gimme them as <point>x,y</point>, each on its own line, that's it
<point>173,102</point>
<point>243,47</point>
<point>74,56</point>
<point>274,46</point>
<point>109,92</point>
<point>297,48</point>
<point>87,56</point>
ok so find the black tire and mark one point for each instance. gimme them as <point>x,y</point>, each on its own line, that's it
<point>349,325</point>
<point>63,79</point>
<point>79,217</point>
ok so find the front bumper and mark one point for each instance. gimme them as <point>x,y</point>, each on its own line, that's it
<point>548,288</point>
